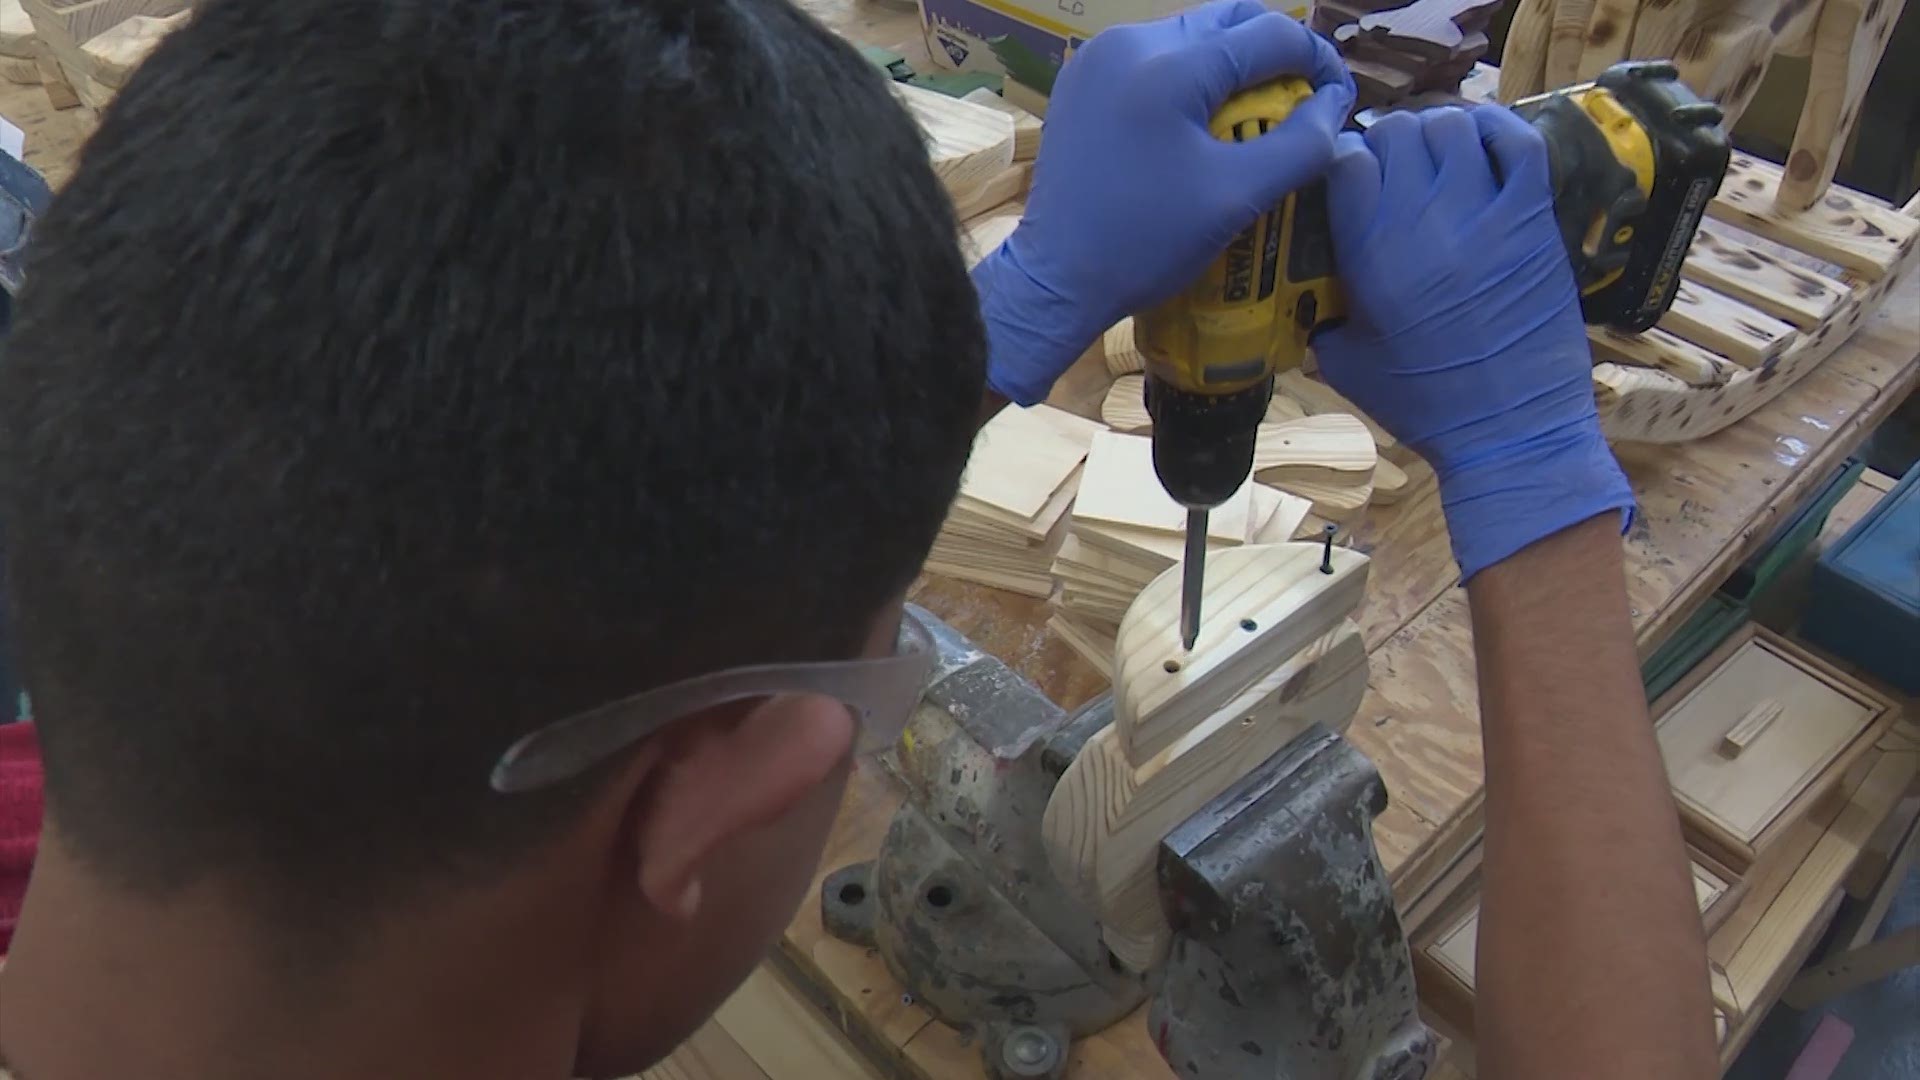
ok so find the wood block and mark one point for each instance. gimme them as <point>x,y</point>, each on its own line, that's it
<point>1125,407</point>
<point>1335,502</point>
<point>1741,333</point>
<point>967,143</point>
<point>1734,805</point>
<point>1026,126</point>
<point>1281,408</point>
<point>1123,356</point>
<point>1779,288</point>
<point>1278,525</point>
<point>1120,486</point>
<point>1092,639</point>
<point>1107,816</point>
<point>1840,228</point>
<point>981,236</point>
<point>1657,349</point>
<point>15,70</point>
<point>118,50</point>
<point>709,1054</point>
<point>1317,398</point>
<point>1023,456</point>
<point>1609,34</point>
<point>1848,40</point>
<point>990,196</point>
<point>16,31</point>
<point>1262,604</point>
<point>1391,483</point>
<point>1331,449</point>
<point>1523,59</point>
<point>787,1036</point>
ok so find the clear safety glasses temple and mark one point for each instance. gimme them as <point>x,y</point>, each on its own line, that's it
<point>881,694</point>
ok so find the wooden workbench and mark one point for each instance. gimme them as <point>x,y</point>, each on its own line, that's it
<point>1704,506</point>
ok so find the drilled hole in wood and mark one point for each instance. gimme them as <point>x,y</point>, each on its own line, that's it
<point>1249,625</point>
<point>1172,667</point>
<point>853,894</point>
<point>939,896</point>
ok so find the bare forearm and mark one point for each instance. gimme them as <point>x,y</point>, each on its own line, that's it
<point>1591,953</point>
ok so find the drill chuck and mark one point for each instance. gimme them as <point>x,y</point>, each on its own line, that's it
<point>1203,443</point>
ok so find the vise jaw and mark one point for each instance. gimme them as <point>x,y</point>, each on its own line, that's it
<point>1287,958</point>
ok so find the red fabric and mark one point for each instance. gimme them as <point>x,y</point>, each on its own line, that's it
<point>20,803</point>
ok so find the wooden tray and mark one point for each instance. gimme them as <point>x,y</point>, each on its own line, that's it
<point>1754,734</point>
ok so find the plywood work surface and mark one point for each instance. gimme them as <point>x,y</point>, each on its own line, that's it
<point>1704,506</point>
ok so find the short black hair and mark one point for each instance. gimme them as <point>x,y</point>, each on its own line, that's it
<point>396,377</point>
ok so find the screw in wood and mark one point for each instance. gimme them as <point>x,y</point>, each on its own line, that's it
<point>1326,554</point>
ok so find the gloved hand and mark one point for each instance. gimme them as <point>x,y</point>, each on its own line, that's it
<point>1464,336</point>
<point>1132,197</point>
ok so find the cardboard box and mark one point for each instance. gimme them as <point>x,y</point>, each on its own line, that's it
<point>1028,40</point>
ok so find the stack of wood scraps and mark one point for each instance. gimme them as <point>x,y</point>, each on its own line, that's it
<point>975,147</point>
<point>1124,531</point>
<point>88,47</point>
<point>19,49</point>
<point>1009,519</point>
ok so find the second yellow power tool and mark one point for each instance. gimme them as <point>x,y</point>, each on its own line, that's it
<point>1633,157</point>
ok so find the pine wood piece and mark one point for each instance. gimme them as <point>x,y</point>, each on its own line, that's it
<point>1567,41</point>
<point>1093,641</point>
<point>709,1054</point>
<point>1261,604</point>
<point>1317,398</point>
<point>1339,503</point>
<point>118,50</point>
<point>1026,126</point>
<point>1330,449</point>
<point>1741,333</point>
<point>1123,356</point>
<point>980,236</point>
<point>787,1037</point>
<point>1107,816</point>
<point>995,193</point>
<point>1751,726</point>
<point>1427,28</point>
<point>968,144</point>
<point>1734,805</point>
<point>1283,522</point>
<point>1724,58</point>
<point>1120,486</point>
<point>1125,406</point>
<point>15,70</point>
<point>1610,29</point>
<point>1840,227</point>
<point>1523,60</point>
<point>1391,483</point>
<point>1787,292</point>
<point>16,31</point>
<point>1848,41</point>
<point>59,91</point>
<point>1023,456</point>
<point>1796,917</point>
<point>1692,364</point>
<point>1281,408</point>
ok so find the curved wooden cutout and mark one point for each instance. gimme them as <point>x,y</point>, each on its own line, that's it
<point>1263,603</point>
<point>1107,816</point>
<point>1125,407</point>
<point>1332,448</point>
<point>1639,405</point>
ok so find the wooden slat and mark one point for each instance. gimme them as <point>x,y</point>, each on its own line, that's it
<point>1779,288</point>
<point>1839,228</point>
<point>1736,330</point>
<point>1661,351</point>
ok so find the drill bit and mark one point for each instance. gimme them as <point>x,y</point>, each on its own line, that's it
<point>1193,577</point>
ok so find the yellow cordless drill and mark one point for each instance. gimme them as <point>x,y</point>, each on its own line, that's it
<point>1633,156</point>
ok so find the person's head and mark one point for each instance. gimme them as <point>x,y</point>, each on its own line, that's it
<point>398,377</point>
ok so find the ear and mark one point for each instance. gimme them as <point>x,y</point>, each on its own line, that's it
<point>720,779</point>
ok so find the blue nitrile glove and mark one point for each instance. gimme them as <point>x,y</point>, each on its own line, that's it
<point>1464,336</point>
<point>1132,197</point>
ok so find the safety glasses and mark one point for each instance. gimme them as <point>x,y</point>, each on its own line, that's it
<point>880,693</point>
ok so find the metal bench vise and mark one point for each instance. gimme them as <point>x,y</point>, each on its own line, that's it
<point>1287,960</point>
